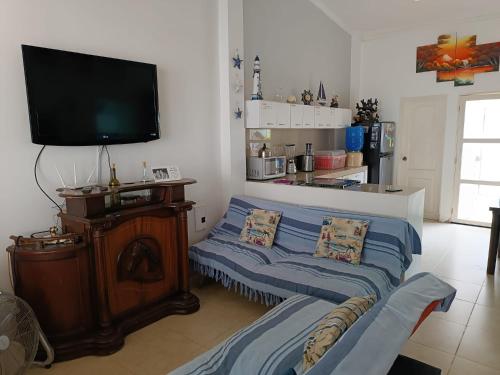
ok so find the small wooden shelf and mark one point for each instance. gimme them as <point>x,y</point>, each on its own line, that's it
<point>104,200</point>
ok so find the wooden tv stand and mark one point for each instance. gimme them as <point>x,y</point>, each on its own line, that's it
<point>129,269</point>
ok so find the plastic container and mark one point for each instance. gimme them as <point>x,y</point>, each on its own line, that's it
<point>354,159</point>
<point>329,161</point>
<point>354,138</point>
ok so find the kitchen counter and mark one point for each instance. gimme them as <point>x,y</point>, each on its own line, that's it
<point>323,173</point>
<point>407,204</point>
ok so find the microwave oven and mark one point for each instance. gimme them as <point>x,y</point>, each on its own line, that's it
<point>266,168</point>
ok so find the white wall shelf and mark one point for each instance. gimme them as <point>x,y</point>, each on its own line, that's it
<point>275,115</point>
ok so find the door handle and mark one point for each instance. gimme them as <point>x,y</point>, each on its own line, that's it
<point>405,158</point>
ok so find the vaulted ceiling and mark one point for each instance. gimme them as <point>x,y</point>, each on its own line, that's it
<point>372,17</point>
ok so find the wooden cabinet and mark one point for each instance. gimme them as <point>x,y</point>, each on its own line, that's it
<point>301,116</point>
<point>282,115</point>
<point>308,117</point>
<point>129,269</point>
<point>274,115</point>
<point>323,118</point>
<point>266,114</point>
<point>341,117</point>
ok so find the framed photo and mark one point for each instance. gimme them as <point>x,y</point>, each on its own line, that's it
<point>166,173</point>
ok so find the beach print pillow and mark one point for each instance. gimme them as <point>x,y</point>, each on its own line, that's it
<point>334,325</point>
<point>341,239</point>
<point>260,227</point>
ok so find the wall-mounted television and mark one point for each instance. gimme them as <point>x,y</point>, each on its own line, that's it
<point>76,99</point>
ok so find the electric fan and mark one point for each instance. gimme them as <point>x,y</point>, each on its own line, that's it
<point>19,336</point>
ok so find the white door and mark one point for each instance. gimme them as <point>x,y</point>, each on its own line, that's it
<point>477,175</point>
<point>419,148</point>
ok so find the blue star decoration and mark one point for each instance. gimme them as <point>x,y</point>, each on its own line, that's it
<point>237,61</point>
<point>238,113</point>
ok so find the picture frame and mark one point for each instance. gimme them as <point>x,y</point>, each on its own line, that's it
<point>166,173</point>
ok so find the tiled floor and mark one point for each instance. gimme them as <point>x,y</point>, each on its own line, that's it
<point>466,340</point>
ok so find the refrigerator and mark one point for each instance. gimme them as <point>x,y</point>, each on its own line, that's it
<point>378,152</point>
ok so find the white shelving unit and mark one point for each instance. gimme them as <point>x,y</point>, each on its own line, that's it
<point>274,115</point>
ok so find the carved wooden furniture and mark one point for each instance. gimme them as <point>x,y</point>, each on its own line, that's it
<point>494,240</point>
<point>126,268</point>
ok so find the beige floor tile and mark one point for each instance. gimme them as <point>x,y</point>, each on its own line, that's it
<point>490,293</point>
<point>463,366</point>
<point>433,357</point>
<point>439,334</point>
<point>481,346</point>
<point>155,353</point>
<point>459,312</point>
<point>465,291</point>
<point>486,318</point>
<point>466,274</point>
<point>228,313</point>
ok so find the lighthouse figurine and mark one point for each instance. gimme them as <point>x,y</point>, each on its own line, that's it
<point>257,85</point>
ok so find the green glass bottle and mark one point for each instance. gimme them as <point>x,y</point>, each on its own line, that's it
<point>113,182</point>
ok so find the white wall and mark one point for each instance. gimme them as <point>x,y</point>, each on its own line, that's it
<point>179,36</point>
<point>388,73</point>
<point>232,135</point>
<point>298,46</point>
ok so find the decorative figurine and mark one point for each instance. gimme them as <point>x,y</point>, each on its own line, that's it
<point>238,113</point>
<point>257,84</point>
<point>237,61</point>
<point>291,99</point>
<point>335,101</point>
<point>307,97</point>
<point>367,111</point>
<point>321,99</point>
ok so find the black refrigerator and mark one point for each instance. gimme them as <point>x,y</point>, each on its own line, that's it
<point>378,152</point>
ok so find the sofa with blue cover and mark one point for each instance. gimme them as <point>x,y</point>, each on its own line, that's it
<point>289,267</point>
<point>274,344</point>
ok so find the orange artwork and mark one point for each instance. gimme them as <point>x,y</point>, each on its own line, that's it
<point>458,59</point>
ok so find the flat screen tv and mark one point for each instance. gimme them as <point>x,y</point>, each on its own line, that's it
<point>76,99</point>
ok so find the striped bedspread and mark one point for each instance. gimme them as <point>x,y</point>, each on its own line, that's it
<point>274,343</point>
<point>289,268</point>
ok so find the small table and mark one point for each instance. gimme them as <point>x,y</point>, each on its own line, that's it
<point>494,239</point>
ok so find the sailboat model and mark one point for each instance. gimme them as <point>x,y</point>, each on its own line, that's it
<point>321,99</point>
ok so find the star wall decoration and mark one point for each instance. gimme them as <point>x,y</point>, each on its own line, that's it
<point>238,113</point>
<point>237,61</point>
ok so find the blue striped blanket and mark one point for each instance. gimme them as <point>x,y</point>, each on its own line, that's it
<point>274,343</point>
<point>289,268</point>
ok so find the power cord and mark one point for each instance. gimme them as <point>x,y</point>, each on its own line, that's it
<point>105,147</point>
<point>38,184</point>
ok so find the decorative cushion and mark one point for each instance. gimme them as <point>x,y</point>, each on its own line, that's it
<point>260,227</point>
<point>341,239</point>
<point>332,326</point>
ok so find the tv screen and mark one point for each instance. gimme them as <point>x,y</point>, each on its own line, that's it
<point>76,99</point>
